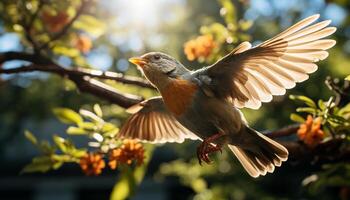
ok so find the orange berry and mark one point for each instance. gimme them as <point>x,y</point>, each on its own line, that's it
<point>131,151</point>
<point>83,43</point>
<point>92,164</point>
<point>310,132</point>
<point>202,46</point>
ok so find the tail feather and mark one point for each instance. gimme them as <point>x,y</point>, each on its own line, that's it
<point>247,163</point>
<point>267,155</point>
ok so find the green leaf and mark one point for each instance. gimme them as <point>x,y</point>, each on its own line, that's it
<point>107,127</point>
<point>218,30</point>
<point>60,143</point>
<point>345,110</point>
<point>321,105</point>
<point>78,153</point>
<point>98,110</point>
<point>88,126</point>
<point>66,51</point>
<point>122,189</point>
<point>229,12</point>
<point>38,164</point>
<point>46,148</point>
<point>67,116</point>
<point>347,78</point>
<point>91,115</point>
<point>245,24</point>
<point>199,185</point>
<point>304,99</point>
<point>90,24</point>
<point>30,137</point>
<point>57,165</point>
<point>72,130</point>
<point>307,110</point>
<point>297,118</point>
<point>338,119</point>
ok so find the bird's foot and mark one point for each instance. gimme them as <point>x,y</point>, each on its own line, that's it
<point>206,147</point>
<point>204,150</point>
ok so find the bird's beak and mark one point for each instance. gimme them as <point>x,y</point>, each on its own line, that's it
<point>138,61</point>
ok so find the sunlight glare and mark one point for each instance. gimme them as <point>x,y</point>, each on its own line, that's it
<point>140,22</point>
<point>141,14</point>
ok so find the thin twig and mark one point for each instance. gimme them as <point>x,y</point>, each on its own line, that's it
<point>35,14</point>
<point>28,26</point>
<point>283,132</point>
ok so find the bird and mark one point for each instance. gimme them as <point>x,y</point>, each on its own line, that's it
<point>205,104</point>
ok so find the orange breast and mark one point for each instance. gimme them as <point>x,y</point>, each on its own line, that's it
<point>178,95</point>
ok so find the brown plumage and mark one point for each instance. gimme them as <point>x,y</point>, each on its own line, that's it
<point>178,95</point>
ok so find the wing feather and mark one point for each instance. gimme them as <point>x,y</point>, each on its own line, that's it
<point>151,122</point>
<point>248,76</point>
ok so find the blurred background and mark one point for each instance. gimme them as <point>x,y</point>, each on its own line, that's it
<point>103,37</point>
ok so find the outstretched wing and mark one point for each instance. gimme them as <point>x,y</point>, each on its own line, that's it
<point>150,121</point>
<point>248,76</point>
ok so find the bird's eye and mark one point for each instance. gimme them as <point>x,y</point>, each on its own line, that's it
<point>156,57</point>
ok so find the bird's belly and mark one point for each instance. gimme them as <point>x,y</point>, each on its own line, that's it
<point>207,116</point>
<point>199,125</point>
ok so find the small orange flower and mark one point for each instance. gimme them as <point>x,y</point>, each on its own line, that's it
<point>202,46</point>
<point>56,22</point>
<point>83,43</point>
<point>130,151</point>
<point>310,132</point>
<point>92,164</point>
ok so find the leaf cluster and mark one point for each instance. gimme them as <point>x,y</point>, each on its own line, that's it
<point>85,123</point>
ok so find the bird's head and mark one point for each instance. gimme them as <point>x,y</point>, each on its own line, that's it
<point>159,68</point>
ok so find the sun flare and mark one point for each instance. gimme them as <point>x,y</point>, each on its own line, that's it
<point>138,14</point>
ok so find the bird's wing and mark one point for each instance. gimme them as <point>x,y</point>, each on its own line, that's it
<point>248,76</point>
<point>152,122</point>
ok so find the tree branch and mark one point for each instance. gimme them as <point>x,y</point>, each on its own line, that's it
<point>102,90</point>
<point>14,55</point>
<point>81,72</point>
<point>82,78</point>
<point>325,152</point>
<point>113,76</point>
<point>331,150</point>
<point>285,131</point>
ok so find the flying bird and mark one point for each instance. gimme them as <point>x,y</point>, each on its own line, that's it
<point>204,104</point>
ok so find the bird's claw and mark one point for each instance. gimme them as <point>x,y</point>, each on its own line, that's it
<point>203,151</point>
<point>207,147</point>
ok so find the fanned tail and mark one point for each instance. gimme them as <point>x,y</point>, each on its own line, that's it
<point>266,155</point>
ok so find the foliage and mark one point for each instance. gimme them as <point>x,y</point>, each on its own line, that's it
<point>220,180</point>
<point>347,78</point>
<point>216,38</point>
<point>89,124</point>
<point>331,175</point>
<point>335,121</point>
<point>52,156</point>
<point>124,154</point>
